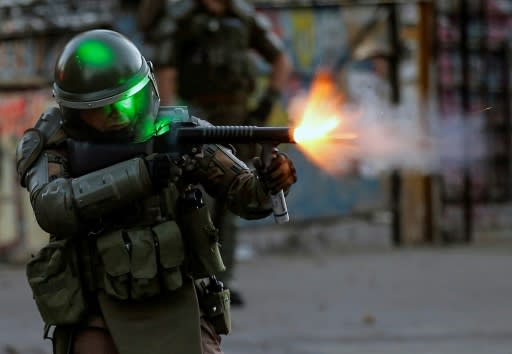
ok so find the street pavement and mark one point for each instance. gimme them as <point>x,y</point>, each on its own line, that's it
<point>380,300</point>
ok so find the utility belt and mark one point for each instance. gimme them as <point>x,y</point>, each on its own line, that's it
<point>129,264</point>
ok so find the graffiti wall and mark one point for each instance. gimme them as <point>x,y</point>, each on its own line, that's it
<point>32,34</point>
<point>316,38</point>
<point>312,37</point>
<point>19,233</point>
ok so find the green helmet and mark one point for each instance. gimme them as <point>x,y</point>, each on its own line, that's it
<point>104,69</point>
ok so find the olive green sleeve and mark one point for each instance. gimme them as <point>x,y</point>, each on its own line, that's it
<point>64,205</point>
<point>227,178</point>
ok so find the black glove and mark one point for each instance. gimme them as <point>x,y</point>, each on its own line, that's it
<point>162,170</point>
<point>280,175</point>
<point>262,111</point>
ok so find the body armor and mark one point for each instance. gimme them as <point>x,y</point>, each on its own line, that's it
<point>126,250</point>
<point>213,58</point>
<point>130,244</point>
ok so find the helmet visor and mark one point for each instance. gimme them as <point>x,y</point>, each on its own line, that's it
<point>133,116</point>
<point>127,120</point>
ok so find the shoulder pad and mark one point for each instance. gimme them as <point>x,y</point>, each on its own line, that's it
<point>49,124</point>
<point>179,9</point>
<point>242,8</point>
<point>33,141</point>
<point>27,151</point>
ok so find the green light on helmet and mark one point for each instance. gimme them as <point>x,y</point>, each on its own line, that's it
<point>128,107</point>
<point>133,102</point>
<point>95,53</point>
<point>147,130</point>
<point>135,110</point>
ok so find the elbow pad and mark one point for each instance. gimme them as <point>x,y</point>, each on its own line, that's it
<point>107,189</point>
<point>63,204</point>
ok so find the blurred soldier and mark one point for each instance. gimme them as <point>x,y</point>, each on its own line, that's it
<point>132,256</point>
<point>202,54</point>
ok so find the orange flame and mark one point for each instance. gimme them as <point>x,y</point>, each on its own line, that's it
<point>319,130</point>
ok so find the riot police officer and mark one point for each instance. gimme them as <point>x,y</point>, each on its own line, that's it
<point>132,256</point>
<point>202,54</point>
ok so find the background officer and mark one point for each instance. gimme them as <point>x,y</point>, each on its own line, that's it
<point>202,53</point>
<point>130,263</point>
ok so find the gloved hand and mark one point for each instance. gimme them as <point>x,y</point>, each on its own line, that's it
<point>162,170</point>
<point>260,114</point>
<point>281,173</point>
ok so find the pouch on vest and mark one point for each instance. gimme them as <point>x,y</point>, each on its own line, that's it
<point>129,262</point>
<point>143,264</point>
<point>172,254</point>
<point>115,255</point>
<point>217,308</point>
<point>53,275</point>
<point>203,238</point>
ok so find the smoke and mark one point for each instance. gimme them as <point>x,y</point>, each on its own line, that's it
<point>390,137</point>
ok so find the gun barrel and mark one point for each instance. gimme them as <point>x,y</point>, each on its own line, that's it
<point>234,134</point>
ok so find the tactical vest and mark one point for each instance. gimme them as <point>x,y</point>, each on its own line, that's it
<point>213,58</point>
<point>140,271</point>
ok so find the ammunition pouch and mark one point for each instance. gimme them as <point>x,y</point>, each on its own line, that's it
<point>202,239</point>
<point>139,263</point>
<point>53,275</point>
<point>215,304</point>
<point>217,309</point>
